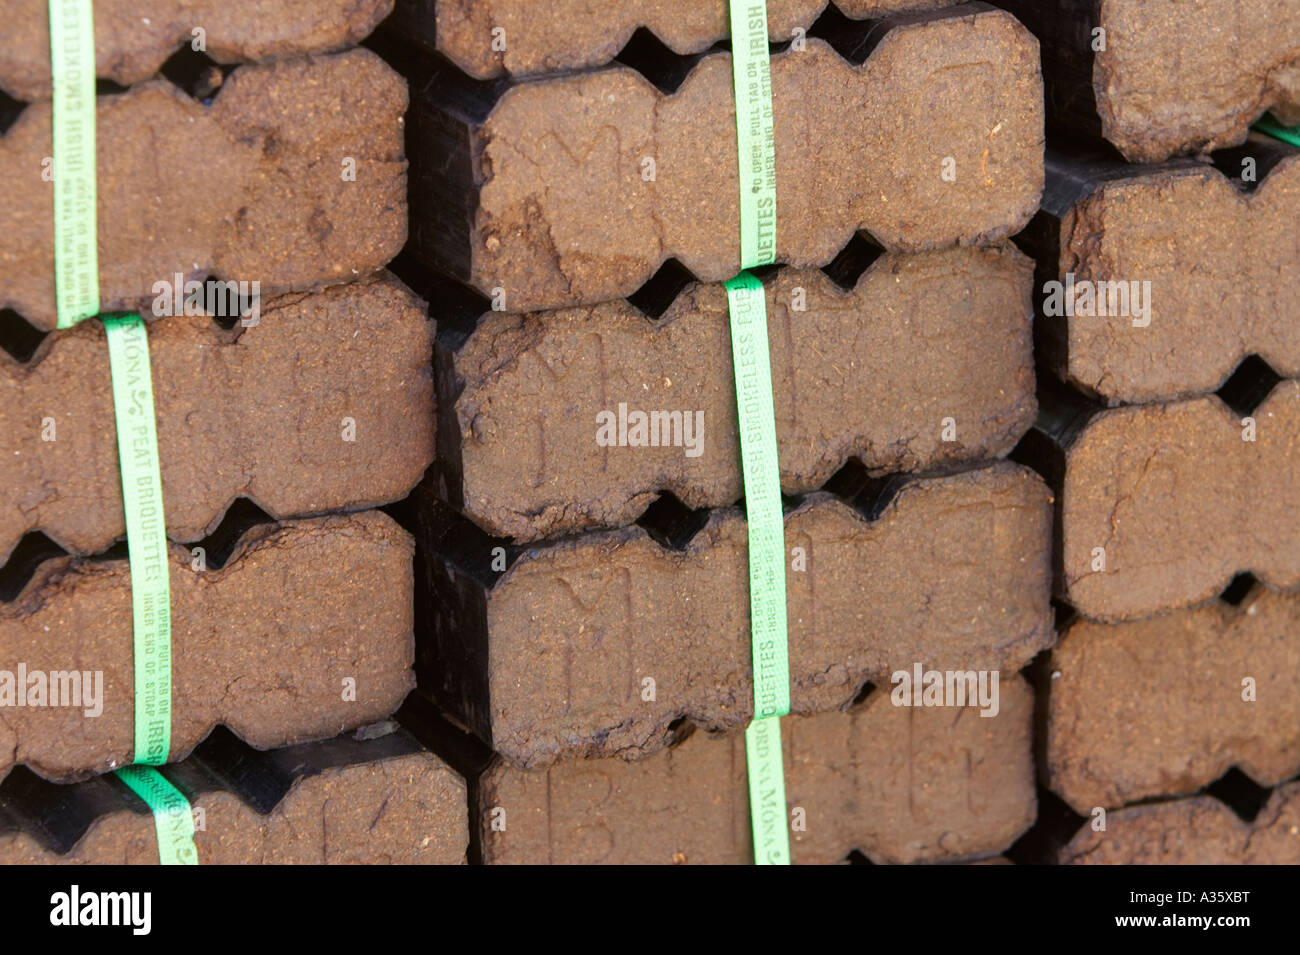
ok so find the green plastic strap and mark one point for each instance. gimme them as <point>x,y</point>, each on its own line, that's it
<point>76,252</point>
<point>753,373</point>
<point>756,156</point>
<point>1288,134</point>
<point>767,613</point>
<point>146,534</point>
<point>755,139</point>
<point>76,277</point>
<point>767,792</point>
<point>173,819</point>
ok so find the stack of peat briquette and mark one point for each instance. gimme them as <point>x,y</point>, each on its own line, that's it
<point>1065,468</point>
<point>1169,336</point>
<point>251,182</point>
<point>584,601</point>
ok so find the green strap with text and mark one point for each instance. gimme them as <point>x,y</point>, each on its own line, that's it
<point>173,819</point>
<point>76,277</point>
<point>146,535</point>
<point>756,157</point>
<point>76,252</point>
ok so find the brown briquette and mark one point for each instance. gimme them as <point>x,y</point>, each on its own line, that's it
<point>923,344</point>
<point>491,38</point>
<point>305,631</point>
<point>377,802</point>
<point>575,189</point>
<point>133,38</point>
<point>596,645</point>
<point>326,403</point>
<point>899,784</point>
<point>1165,706</point>
<point>1196,831</point>
<point>1163,504</point>
<point>1213,266</point>
<point>1174,78</point>
<point>294,177</point>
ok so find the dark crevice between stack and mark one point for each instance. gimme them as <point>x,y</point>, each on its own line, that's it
<point>659,291</point>
<point>231,304</point>
<point>671,523</point>
<point>1248,165</point>
<point>107,87</point>
<point>647,54</point>
<point>18,337</point>
<point>10,110</point>
<point>1235,594</point>
<point>195,73</point>
<point>854,40</point>
<point>32,551</point>
<point>861,697</point>
<point>1240,793</point>
<point>1249,384</point>
<point>852,261</point>
<point>1053,828</point>
<point>241,516</point>
<point>868,495</point>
